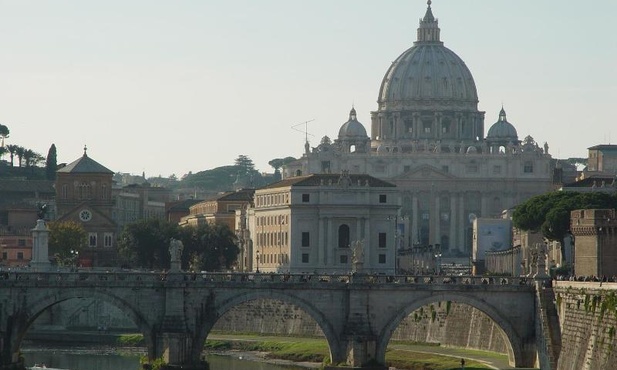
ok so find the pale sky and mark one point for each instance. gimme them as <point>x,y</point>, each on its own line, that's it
<point>169,87</point>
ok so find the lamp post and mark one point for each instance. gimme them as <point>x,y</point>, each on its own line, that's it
<point>257,257</point>
<point>438,259</point>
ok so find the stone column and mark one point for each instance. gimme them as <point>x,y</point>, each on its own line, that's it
<point>40,248</point>
<point>453,221</point>
<point>462,221</point>
<point>415,237</point>
<point>367,242</point>
<point>484,205</point>
<point>437,235</point>
<point>330,245</point>
<point>321,247</point>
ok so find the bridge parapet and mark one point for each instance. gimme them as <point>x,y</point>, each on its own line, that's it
<point>205,278</point>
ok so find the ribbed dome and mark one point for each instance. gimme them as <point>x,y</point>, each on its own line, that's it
<point>428,71</point>
<point>352,129</point>
<point>502,129</point>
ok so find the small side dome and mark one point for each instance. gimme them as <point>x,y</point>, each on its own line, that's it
<point>502,129</point>
<point>352,129</point>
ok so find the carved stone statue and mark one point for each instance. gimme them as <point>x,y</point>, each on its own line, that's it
<point>175,250</point>
<point>358,252</point>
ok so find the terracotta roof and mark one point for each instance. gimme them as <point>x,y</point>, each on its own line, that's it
<point>330,179</point>
<point>245,195</point>
<point>85,164</point>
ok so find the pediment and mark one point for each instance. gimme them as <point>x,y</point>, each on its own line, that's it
<point>425,172</point>
<point>98,219</point>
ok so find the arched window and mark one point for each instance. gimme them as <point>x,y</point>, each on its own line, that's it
<point>343,236</point>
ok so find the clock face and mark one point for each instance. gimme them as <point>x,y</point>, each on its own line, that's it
<point>85,215</point>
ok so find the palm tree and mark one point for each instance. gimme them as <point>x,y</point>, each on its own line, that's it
<point>3,151</point>
<point>19,152</point>
<point>12,148</point>
<point>32,158</point>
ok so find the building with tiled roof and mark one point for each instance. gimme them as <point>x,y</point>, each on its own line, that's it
<point>311,223</point>
<point>220,209</point>
<point>84,195</point>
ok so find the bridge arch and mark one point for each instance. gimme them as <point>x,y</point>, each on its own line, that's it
<point>337,349</point>
<point>513,339</point>
<point>56,296</point>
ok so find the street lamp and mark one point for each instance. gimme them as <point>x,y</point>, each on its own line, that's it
<point>438,259</point>
<point>257,257</point>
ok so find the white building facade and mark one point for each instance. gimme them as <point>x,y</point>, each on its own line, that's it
<point>310,224</point>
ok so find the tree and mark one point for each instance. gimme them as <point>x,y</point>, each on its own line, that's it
<point>210,247</point>
<point>146,243</point>
<point>66,240</point>
<point>550,213</point>
<point>245,163</point>
<point>51,163</point>
<point>206,247</point>
<point>19,152</point>
<point>277,163</point>
<point>4,133</point>
<point>31,158</point>
<point>12,150</point>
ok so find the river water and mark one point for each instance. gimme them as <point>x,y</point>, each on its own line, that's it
<point>115,359</point>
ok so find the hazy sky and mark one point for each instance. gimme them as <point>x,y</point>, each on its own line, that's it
<point>169,87</point>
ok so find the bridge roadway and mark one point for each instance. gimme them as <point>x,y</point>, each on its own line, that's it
<point>357,313</point>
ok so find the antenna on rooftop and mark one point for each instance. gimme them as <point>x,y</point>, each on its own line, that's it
<point>305,123</point>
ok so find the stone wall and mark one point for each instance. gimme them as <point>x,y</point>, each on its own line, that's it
<point>588,319</point>
<point>449,324</point>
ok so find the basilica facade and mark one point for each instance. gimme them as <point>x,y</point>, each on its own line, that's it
<point>428,138</point>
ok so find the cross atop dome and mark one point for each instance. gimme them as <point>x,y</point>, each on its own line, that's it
<point>85,151</point>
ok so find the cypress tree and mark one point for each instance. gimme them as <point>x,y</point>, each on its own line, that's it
<point>51,164</point>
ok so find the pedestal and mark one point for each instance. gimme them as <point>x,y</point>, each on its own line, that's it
<point>40,248</point>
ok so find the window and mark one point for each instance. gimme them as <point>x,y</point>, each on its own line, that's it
<point>325,166</point>
<point>5,256</point>
<point>406,168</point>
<point>445,169</point>
<point>20,255</point>
<point>65,191</point>
<point>306,240</point>
<point>528,167</point>
<point>382,258</point>
<point>382,240</point>
<point>343,259</point>
<point>472,168</point>
<point>108,240</point>
<point>306,198</point>
<point>496,169</point>
<point>21,242</point>
<point>92,240</point>
<point>343,236</point>
<point>425,215</point>
<point>305,258</point>
<point>383,198</point>
<point>427,128</point>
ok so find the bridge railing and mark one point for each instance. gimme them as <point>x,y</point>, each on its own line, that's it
<point>252,278</point>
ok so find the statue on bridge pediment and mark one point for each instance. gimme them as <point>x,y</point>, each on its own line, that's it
<point>175,250</point>
<point>358,252</point>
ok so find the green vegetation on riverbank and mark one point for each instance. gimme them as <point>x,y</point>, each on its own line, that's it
<point>316,350</point>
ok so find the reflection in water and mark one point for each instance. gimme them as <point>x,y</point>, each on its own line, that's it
<point>113,359</point>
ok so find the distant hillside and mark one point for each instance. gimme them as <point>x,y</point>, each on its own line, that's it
<point>224,178</point>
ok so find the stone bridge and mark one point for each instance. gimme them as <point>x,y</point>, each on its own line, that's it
<point>357,313</point>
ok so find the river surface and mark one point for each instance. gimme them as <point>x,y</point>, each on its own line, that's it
<point>117,359</point>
